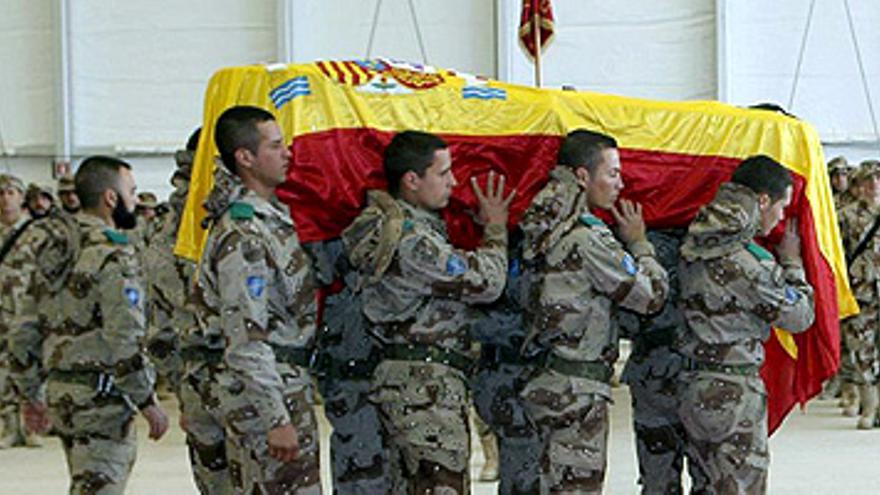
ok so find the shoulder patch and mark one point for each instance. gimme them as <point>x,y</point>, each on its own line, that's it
<point>455,265</point>
<point>241,211</point>
<point>629,264</point>
<point>256,285</point>
<point>758,252</point>
<point>791,295</point>
<point>133,296</point>
<point>407,225</point>
<point>116,237</point>
<point>590,220</point>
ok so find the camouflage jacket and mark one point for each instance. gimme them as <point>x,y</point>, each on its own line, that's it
<point>584,273</point>
<point>864,273</point>
<point>732,290</point>
<point>32,275</point>
<point>414,285</point>
<point>255,294</point>
<point>169,283</point>
<point>100,324</point>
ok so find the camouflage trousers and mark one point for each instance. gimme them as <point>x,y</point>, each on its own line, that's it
<point>11,424</point>
<point>573,426</point>
<point>659,434</point>
<point>496,398</point>
<point>205,436</point>
<point>859,351</point>
<point>357,449</point>
<point>424,413</point>
<point>251,468</point>
<point>98,437</point>
<point>725,419</point>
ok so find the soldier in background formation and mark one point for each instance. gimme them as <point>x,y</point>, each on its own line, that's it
<point>732,292</point>
<point>652,374</point>
<point>256,302</point>
<point>13,219</point>
<point>839,172</point>
<point>416,289</point>
<point>39,199</point>
<point>67,195</point>
<point>582,273</point>
<point>859,222</point>
<point>501,374</point>
<point>98,373</point>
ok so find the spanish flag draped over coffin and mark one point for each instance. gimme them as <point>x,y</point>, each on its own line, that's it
<point>341,114</point>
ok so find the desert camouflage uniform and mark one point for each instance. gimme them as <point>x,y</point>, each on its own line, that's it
<point>501,374</point>
<point>10,414</point>
<point>256,297</point>
<point>652,375</point>
<point>347,356</point>
<point>732,291</point>
<point>416,289</point>
<point>584,273</point>
<point>99,375</point>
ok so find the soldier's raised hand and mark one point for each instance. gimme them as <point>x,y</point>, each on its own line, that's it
<point>157,420</point>
<point>493,204</point>
<point>283,443</point>
<point>630,222</point>
<point>789,248</point>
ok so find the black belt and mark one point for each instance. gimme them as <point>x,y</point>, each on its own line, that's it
<point>283,354</point>
<point>645,342</point>
<point>729,369</point>
<point>491,356</point>
<point>592,370</point>
<point>347,368</point>
<point>102,382</point>
<point>428,354</point>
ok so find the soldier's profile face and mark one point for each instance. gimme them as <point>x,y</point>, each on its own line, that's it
<point>434,188</point>
<point>773,213</point>
<point>839,181</point>
<point>11,203</point>
<point>69,199</point>
<point>871,188</point>
<point>127,189</point>
<point>273,156</point>
<point>605,182</point>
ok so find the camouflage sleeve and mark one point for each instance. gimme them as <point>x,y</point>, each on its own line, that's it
<point>122,306</point>
<point>634,280</point>
<point>24,334</point>
<point>168,313</point>
<point>469,276</point>
<point>244,273</point>
<point>782,296</point>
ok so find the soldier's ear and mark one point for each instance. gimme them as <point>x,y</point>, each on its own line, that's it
<point>410,180</point>
<point>243,157</point>
<point>764,201</point>
<point>583,176</point>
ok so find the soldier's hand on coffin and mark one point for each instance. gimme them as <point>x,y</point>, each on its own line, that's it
<point>157,419</point>
<point>789,248</point>
<point>630,223</point>
<point>493,204</point>
<point>283,443</point>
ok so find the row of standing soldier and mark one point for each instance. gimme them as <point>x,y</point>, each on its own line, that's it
<point>403,307</point>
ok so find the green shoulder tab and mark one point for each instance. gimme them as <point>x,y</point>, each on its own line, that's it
<point>241,211</point>
<point>407,225</point>
<point>115,237</point>
<point>590,220</point>
<point>758,252</point>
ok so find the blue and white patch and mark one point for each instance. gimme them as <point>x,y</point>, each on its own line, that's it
<point>256,285</point>
<point>455,265</point>
<point>483,93</point>
<point>290,89</point>
<point>514,268</point>
<point>132,295</point>
<point>629,264</point>
<point>791,296</point>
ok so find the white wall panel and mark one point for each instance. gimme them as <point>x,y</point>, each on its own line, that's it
<point>643,48</point>
<point>27,85</point>
<point>457,34</point>
<point>140,68</point>
<point>762,48</point>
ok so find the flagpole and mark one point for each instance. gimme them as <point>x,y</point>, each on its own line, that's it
<point>536,27</point>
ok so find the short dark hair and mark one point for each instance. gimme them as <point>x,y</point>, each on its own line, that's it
<point>762,174</point>
<point>193,142</point>
<point>583,148</point>
<point>409,151</point>
<point>237,128</point>
<point>95,175</point>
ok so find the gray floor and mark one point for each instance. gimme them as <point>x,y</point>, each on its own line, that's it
<point>815,452</point>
